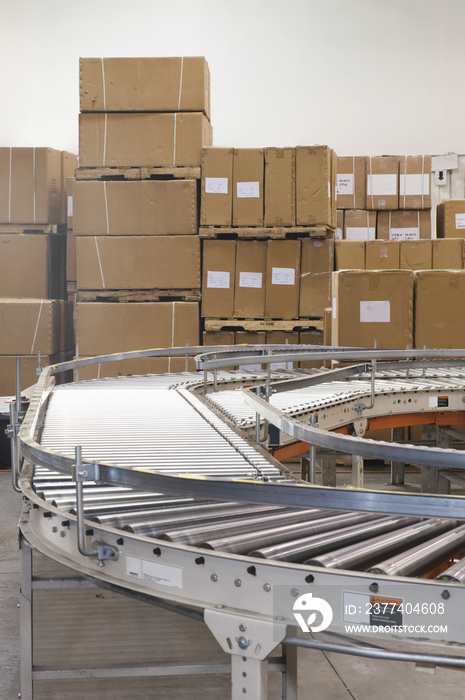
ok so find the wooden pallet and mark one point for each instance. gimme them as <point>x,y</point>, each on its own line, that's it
<point>263,324</point>
<point>265,232</point>
<point>138,173</point>
<point>128,295</point>
<point>32,228</point>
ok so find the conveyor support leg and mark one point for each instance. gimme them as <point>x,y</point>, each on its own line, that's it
<point>25,621</point>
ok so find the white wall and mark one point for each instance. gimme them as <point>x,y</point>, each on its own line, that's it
<point>364,76</point>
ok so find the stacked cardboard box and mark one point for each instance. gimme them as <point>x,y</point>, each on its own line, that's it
<point>385,197</point>
<point>34,316</point>
<point>137,238</point>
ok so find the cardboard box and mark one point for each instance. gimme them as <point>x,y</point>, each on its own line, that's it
<point>416,255</point>
<point>339,230</point>
<point>282,338</point>
<point>317,265</point>
<point>349,255</point>
<point>351,182</point>
<point>219,338</point>
<point>69,163</point>
<point>359,225</point>
<point>218,278</point>
<point>217,187</point>
<point>28,326</point>
<point>144,138</point>
<point>144,84</point>
<point>382,182</point>
<point>371,306</point>
<point>28,369</point>
<point>138,207</point>
<point>448,253</point>
<point>103,328</point>
<point>382,255</point>
<point>415,182</point>
<point>251,338</point>
<point>249,294</point>
<point>279,186</point>
<point>67,339</point>
<point>439,304</point>
<point>327,327</point>
<point>451,219</point>
<point>69,203</point>
<point>282,279</point>
<point>404,225</point>
<point>71,271</point>
<point>30,186</point>
<point>138,262</point>
<point>316,173</point>
<point>248,174</point>
<point>32,265</point>
<point>311,337</point>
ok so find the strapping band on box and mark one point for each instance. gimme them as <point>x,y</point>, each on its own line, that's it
<point>37,327</point>
<point>180,83</point>
<point>106,206</point>
<point>99,262</point>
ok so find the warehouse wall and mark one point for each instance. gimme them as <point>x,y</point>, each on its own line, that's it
<point>366,77</point>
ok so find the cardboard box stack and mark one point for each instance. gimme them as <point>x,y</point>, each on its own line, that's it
<point>142,127</point>
<point>34,315</point>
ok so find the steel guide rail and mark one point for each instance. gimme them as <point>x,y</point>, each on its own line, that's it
<point>245,595</point>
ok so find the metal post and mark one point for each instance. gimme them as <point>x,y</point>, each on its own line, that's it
<point>311,476</point>
<point>39,364</point>
<point>12,432</point>
<point>18,389</point>
<point>76,357</point>
<point>25,621</point>
<point>289,677</point>
<point>205,382</point>
<point>328,470</point>
<point>357,471</point>
<point>186,366</point>
<point>79,476</point>
<point>397,468</point>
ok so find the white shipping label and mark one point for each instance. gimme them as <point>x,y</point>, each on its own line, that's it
<point>375,312</point>
<point>381,185</point>
<point>329,190</point>
<point>248,190</point>
<point>361,233</point>
<point>153,572</point>
<point>70,205</point>
<point>218,279</point>
<point>433,402</point>
<point>404,234</point>
<point>459,221</point>
<point>334,307</point>
<point>345,184</point>
<point>250,279</point>
<point>338,234</point>
<point>283,275</point>
<point>216,185</point>
<point>414,184</point>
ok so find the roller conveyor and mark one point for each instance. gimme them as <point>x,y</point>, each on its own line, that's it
<point>134,431</point>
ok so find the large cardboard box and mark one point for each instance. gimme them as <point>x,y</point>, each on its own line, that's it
<point>217,186</point>
<point>448,253</point>
<point>382,255</point>
<point>317,265</point>
<point>140,207</point>
<point>32,265</point>
<point>69,163</point>
<point>149,84</point>
<point>69,203</point>
<point>282,279</point>
<point>144,138</point>
<point>316,173</point>
<point>249,294</point>
<point>404,225</point>
<point>382,182</point>
<point>103,328</point>
<point>451,219</point>
<point>439,304</point>
<point>30,186</point>
<point>219,338</point>
<point>218,278</point>
<point>415,182</point>
<point>349,255</point>
<point>416,255</point>
<point>71,271</point>
<point>351,182</point>
<point>28,326</point>
<point>248,174</point>
<point>371,306</point>
<point>138,262</point>
<point>359,225</point>
<point>279,186</point>
<point>28,370</point>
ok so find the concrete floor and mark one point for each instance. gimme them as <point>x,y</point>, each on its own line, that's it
<point>91,627</point>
